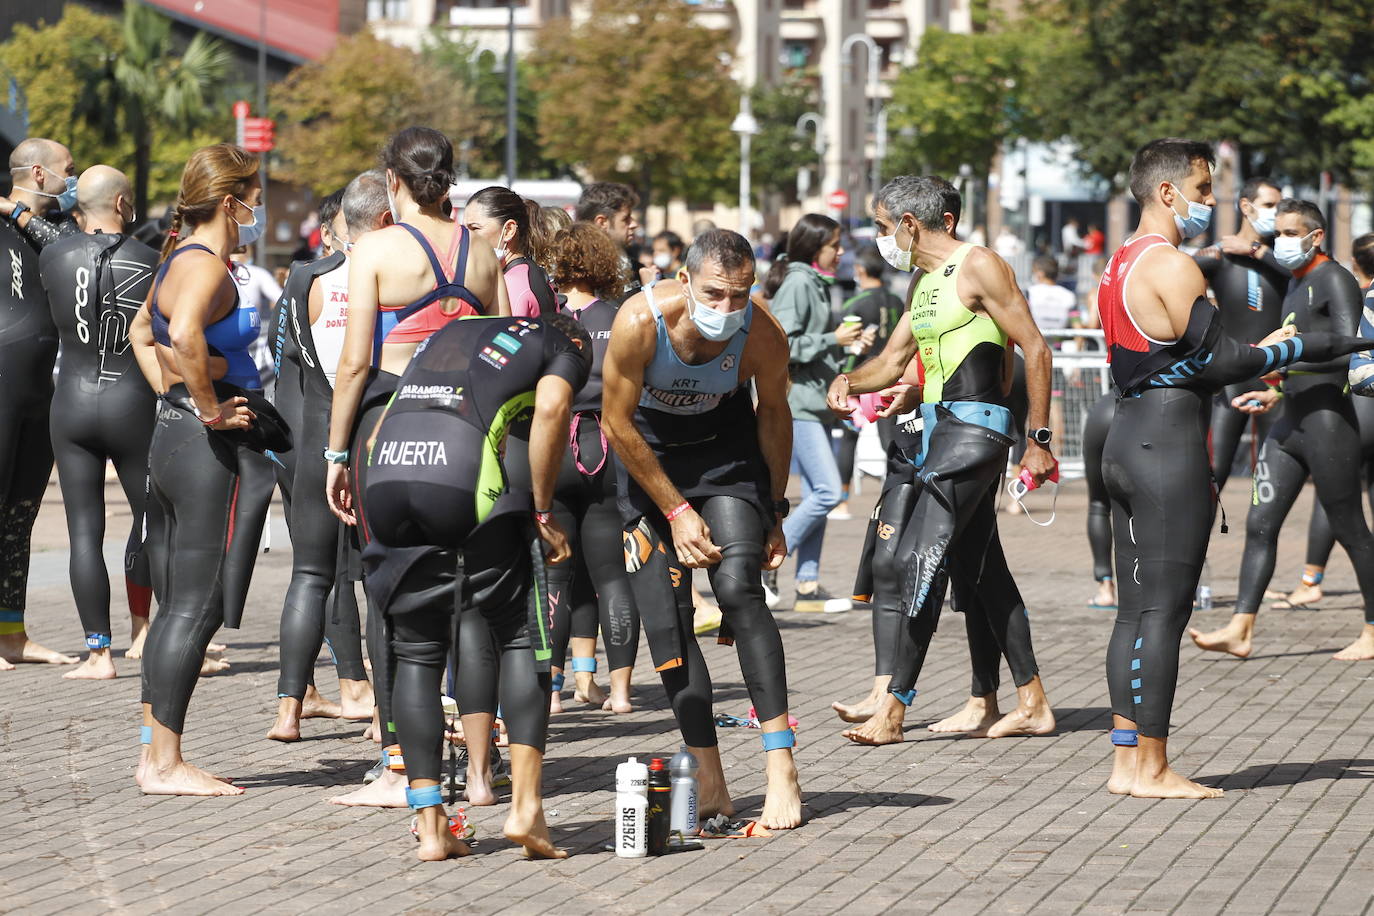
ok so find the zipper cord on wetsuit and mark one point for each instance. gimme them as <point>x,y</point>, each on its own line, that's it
<point>1216,497</point>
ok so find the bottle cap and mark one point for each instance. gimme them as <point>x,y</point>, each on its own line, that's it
<point>656,763</point>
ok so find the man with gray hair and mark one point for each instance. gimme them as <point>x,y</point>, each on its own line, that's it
<point>28,349</point>
<point>308,336</point>
<point>965,311</point>
<point>103,410</point>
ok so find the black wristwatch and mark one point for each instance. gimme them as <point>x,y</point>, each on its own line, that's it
<point>1044,435</point>
<point>1255,249</point>
<point>781,507</point>
<point>19,208</point>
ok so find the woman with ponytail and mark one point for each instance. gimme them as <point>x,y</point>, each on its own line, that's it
<point>514,227</point>
<point>207,466</point>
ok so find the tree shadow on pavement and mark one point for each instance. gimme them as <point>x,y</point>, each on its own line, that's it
<point>817,805</point>
<point>1291,773</point>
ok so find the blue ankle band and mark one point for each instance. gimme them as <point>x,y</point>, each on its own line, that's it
<point>1125,737</point>
<point>905,697</point>
<point>428,797</point>
<point>776,741</point>
<point>145,734</point>
<point>557,683</point>
<point>583,664</point>
<point>97,641</point>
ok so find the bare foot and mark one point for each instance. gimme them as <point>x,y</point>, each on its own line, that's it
<point>555,701</point>
<point>135,649</point>
<point>184,779</point>
<point>1228,639</point>
<point>978,715</point>
<point>1106,594</point>
<point>386,791</point>
<point>373,732</point>
<point>861,711</point>
<point>288,724</point>
<point>1300,597</point>
<point>529,830</point>
<point>18,649</point>
<point>589,692</point>
<point>618,704</point>
<point>1361,649</point>
<point>1169,784</point>
<point>315,706</point>
<point>437,842</point>
<point>216,648</point>
<point>713,795</point>
<point>209,666</point>
<point>478,791</point>
<point>355,700</point>
<point>883,727</point>
<point>1024,721</point>
<point>782,806</point>
<point>98,666</point>
<point>1123,770</point>
<point>5,666</point>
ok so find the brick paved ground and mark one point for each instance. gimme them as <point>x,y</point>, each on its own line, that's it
<point>938,823</point>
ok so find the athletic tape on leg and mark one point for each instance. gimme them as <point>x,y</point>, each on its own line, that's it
<point>776,741</point>
<point>428,797</point>
<point>1125,737</point>
<point>583,665</point>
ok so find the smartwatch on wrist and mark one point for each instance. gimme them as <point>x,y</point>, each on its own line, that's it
<point>781,508</point>
<point>1043,436</point>
<point>19,208</point>
<point>1255,248</point>
<point>334,457</point>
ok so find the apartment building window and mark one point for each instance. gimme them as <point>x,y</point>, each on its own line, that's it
<point>443,6</point>
<point>391,10</point>
<point>796,55</point>
<point>936,10</point>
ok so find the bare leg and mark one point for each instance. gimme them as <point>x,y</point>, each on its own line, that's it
<point>437,842</point>
<point>1154,778</point>
<point>884,727</point>
<point>477,736</point>
<point>1235,638</point>
<point>782,805</point>
<point>713,796</point>
<point>1106,594</point>
<point>588,691</point>
<point>863,710</point>
<point>978,715</point>
<point>138,632</point>
<point>18,649</point>
<point>555,696</point>
<point>619,700</point>
<point>1032,715</point>
<point>1361,649</point>
<point>355,699</point>
<point>167,773</point>
<point>1123,761</point>
<point>98,666</point>
<point>526,825</point>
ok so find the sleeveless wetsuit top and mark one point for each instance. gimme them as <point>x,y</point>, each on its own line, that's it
<point>676,387</point>
<point>531,294</point>
<point>327,331</point>
<point>417,321</point>
<point>962,351</point>
<point>229,338</point>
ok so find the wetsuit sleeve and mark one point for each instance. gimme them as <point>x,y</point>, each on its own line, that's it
<point>1336,308</point>
<point>792,310</point>
<point>1362,364</point>
<point>1229,360</point>
<point>562,360</point>
<point>44,232</point>
<point>1208,264</point>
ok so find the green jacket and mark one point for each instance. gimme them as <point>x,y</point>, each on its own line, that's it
<point>802,306</point>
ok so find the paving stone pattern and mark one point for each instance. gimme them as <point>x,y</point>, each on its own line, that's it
<point>939,823</point>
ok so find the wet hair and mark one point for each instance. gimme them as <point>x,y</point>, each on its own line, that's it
<point>584,255</point>
<point>576,332</point>
<point>502,204</point>
<point>422,158</point>
<point>1253,185</point>
<point>804,242</point>
<point>1362,250</point>
<point>364,202</point>
<point>210,174</point>
<point>673,240</point>
<point>926,197</point>
<point>871,261</point>
<point>1312,216</point>
<point>329,208</point>
<point>1169,159</point>
<point>605,198</point>
<point>1047,266</point>
<point>728,250</point>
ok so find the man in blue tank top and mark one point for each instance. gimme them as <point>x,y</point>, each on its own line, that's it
<point>704,465</point>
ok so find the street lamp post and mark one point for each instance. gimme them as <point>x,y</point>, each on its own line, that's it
<point>871,90</point>
<point>814,119</point>
<point>879,150</point>
<point>746,126</point>
<point>510,93</point>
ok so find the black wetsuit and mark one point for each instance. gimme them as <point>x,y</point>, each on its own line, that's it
<point>1315,435</point>
<point>1156,467</point>
<point>28,348</point>
<point>1320,538</point>
<point>1249,292</point>
<point>436,495</point>
<point>213,488</point>
<point>318,540</point>
<point>585,505</point>
<point>103,410</point>
<point>1095,429</point>
<point>700,423</point>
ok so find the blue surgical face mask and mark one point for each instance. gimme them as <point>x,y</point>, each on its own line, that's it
<point>1198,219</point>
<point>251,232</point>
<point>712,324</point>
<point>66,199</point>
<point>1263,221</point>
<point>1291,251</point>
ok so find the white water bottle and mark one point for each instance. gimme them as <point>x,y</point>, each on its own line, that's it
<point>631,810</point>
<point>683,770</point>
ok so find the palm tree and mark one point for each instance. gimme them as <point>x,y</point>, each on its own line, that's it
<point>147,86</point>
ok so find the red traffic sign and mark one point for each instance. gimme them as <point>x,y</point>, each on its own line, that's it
<point>259,134</point>
<point>837,200</point>
<point>241,109</point>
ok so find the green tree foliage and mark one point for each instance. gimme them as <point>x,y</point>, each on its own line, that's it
<point>335,114</point>
<point>62,68</point>
<point>777,153</point>
<point>484,71</point>
<point>639,92</point>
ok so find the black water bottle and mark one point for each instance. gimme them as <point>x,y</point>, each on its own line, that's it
<point>660,807</point>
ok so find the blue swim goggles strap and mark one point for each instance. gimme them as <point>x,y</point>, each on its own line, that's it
<point>581,665</point>
<point>1125,737</point>
<point>776,741</point>
<point>905,697</point>
<point>428,797</point>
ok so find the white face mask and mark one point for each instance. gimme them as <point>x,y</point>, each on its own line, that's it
<point>1263,220</point>
<point>1292,252</point>
<point>893,254</point>
<point>1198,219</point>
<point>251,232</point>
<point>663,261</point>
<point>712,324</point>
<point>500,254</point>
